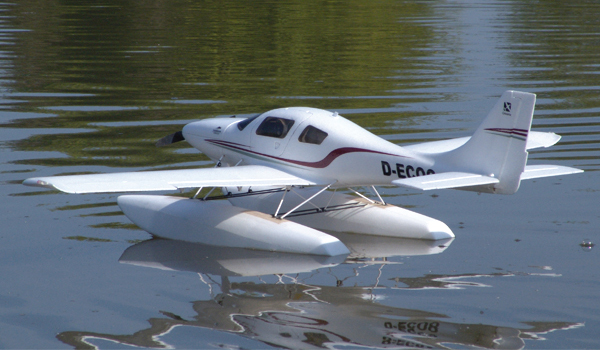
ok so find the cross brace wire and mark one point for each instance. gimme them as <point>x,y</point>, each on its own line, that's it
<point>301,204</point>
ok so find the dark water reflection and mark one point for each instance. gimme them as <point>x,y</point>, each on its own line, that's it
<point>89,86</point>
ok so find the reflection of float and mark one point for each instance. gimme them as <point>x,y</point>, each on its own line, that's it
<point>365,247</point>
<point>299,315</point>
<point>220,261</point>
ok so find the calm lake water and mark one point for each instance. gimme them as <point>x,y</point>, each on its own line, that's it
<point>89,86</point>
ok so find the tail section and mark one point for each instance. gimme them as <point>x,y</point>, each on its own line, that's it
<point>498,147</point>
<point>494,159</point>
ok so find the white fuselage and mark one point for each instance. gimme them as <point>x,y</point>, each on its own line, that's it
<point>310,143</point>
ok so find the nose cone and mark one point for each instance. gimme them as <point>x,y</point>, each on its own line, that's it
<point>208,128</point>
<point>438,230</point>
<point>197,133</point>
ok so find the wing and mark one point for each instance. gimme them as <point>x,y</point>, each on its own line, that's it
<point>535,139</point>
<point>165,180</point>
<point>445,180</point>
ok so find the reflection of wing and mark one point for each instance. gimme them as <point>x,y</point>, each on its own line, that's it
<point>535,139</point>
<point>165,180</point>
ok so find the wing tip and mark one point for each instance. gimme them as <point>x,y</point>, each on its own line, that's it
<point>41,182</point>
<point>37,182</point>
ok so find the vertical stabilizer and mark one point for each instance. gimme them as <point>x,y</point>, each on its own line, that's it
<point>498,147</point>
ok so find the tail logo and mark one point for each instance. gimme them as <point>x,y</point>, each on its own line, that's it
<point>507,108</point>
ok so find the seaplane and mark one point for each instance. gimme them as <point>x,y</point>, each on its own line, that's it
<point>292,177</point>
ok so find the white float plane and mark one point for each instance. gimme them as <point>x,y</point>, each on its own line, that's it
<point>312,153</point>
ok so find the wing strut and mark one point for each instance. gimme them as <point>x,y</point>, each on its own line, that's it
<point>218,165</point>
<point>301,204</point>
<point>286,190</point>
<point>201,187</point>
<point>298,194</point>
<point>378,195</point>
<point>367,198</point>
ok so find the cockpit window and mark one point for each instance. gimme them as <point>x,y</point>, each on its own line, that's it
<point>274,127</point>
<point>244,123</point>
<point>312,135</point>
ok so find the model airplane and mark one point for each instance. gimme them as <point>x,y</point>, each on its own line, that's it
<point>280,171</point>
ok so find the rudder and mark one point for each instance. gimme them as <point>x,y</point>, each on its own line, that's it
<point>498,146</point>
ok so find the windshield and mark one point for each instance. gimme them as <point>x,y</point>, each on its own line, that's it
<point>244,123</point>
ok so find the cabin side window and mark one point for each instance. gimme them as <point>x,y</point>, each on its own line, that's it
<point>312,135</point>
<point>244,123</point>
<point>274,127</point>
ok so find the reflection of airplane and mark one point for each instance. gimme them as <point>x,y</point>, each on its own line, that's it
<point>301,315</point>
<point>183,256</point>
<point>298,147</point>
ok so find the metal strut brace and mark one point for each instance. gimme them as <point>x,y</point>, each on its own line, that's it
<point>330,198</point>
<point>197,193</point>
<point>201,187</point>
<point>287,188</point>
<point>208,194</point>
<point>307,200</point>
<point>212,189</point>
<point>378,196</point>
<point>361,195</point>
<point>298,194</point>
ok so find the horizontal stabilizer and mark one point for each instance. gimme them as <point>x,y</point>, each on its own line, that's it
<point>538,139</point>
<point>536,171</point>
<point>535,139</point>
<point>169,180</point>
<point>445,180</point>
